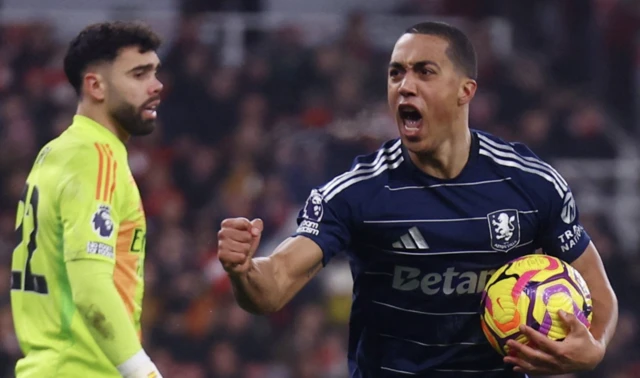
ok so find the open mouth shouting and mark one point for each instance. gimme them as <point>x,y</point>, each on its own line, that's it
<point>411,119</point>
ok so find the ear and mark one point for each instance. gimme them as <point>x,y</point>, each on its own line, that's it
<point>467,91</point>
<point>94,85</point>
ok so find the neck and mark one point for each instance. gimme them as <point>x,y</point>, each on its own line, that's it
<point>101,117</point>
<point>449,159</point>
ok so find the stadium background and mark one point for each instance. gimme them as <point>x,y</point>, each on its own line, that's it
<point>265,99</point>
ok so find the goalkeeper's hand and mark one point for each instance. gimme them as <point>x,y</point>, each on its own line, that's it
<point>139,366</point>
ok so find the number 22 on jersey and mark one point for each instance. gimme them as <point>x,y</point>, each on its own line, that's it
<point>26,232</point>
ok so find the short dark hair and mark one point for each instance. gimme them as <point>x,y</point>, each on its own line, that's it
<point>460,50</point>
<point>102,42</point>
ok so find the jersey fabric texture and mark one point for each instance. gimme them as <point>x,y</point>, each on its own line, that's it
<point>80,202</point>
<point>421,250</point>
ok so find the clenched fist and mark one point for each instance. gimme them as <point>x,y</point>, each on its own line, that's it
<point>238,240</point>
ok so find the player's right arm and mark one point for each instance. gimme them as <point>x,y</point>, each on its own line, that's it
<point>90,228</point>
<point>265,285</point>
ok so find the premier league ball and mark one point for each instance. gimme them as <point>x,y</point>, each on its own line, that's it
<point>531,290</point>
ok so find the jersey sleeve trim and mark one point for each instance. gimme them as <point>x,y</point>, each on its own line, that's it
<point>89,223</point>
<point>106,177</point>
<point>386,158</point>
<point>505,155</point>
<point>95,162</point>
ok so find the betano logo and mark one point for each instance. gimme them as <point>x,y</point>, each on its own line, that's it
<point>450,282</point>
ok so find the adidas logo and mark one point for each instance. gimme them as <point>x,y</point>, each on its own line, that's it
<point>411,240</point>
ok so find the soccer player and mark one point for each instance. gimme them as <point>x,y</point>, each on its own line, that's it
<point>425,221</point>
<point>77,271</point>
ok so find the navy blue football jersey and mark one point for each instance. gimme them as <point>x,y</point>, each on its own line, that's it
<point>421,250</point>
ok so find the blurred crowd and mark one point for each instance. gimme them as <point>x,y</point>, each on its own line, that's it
<point>251,140</point>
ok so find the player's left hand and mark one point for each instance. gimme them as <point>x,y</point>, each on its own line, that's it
<point>579,351</point>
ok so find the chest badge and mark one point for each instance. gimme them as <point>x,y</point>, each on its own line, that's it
<point>504,227</point>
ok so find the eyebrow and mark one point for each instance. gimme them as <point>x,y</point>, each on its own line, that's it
<point>416,65</point>
<point>145,67</point>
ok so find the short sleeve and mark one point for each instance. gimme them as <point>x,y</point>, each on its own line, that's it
<point>327,223</point>
<point>562,234</point>
<point>89,219</point>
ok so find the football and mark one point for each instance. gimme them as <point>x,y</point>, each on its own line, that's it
<point>531,290</point>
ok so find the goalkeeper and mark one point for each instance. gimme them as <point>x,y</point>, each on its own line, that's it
<point>77,269</point>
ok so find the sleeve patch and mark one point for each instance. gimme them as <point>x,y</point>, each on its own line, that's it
<point>97,248</point>
<point>568,213</point>
<point>570,238</point>
<point>313,209</point>
<point>102,222</point>
<point>309,227</point>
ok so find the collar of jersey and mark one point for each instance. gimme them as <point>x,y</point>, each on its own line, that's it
<point>473,154</point>
<point>88,125</point>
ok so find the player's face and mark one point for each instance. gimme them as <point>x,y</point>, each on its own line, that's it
<point>424,91</point>
<point>134,91</point>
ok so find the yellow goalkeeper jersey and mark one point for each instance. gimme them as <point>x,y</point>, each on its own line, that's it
<point>80,201</point>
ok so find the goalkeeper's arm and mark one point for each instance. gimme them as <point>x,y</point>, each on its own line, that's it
<point>105,315</point>
<point>90,222</point>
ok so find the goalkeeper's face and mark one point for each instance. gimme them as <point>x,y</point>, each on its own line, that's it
<point>134,91</point>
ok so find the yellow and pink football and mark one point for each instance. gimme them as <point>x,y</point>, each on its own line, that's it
<point>531,290</point>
